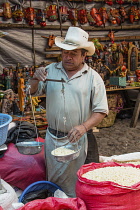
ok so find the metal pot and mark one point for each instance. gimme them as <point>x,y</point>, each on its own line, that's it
<point>29,147</point>
<point>70,157</point>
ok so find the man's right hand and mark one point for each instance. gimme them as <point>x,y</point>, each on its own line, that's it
<point>40,74</point>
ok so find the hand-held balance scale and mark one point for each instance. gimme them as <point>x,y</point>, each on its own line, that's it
<point>28,147</point>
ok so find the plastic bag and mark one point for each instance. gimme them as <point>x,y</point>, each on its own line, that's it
<point>106,195</point>
<point>39,194</point>
<point>8,197</point>
<point>53,203</point>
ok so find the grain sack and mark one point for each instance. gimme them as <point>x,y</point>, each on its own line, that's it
<point>103,193</point>
<point>133,157</point>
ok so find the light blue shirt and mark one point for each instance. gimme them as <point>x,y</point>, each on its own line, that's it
<point>71,103</point>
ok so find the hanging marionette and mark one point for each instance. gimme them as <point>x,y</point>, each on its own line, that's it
<point>111,36</point>
<point>98,46</point>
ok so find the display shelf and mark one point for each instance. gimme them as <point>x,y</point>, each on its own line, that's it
<point>57,27</point>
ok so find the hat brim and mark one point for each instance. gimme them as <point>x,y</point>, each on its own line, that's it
<point>89,46</point>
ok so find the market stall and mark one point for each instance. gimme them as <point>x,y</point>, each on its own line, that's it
<point>27,32</point>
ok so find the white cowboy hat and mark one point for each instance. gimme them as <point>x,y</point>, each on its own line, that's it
<point>76,38</point>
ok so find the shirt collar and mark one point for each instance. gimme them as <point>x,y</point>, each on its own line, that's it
<point>82,71</point>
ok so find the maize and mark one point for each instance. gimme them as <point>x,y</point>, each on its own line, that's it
<point>134,162</point>
<point>62,151</point>
<point>125,176</point>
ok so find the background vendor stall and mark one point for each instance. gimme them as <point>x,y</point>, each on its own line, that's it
<point>27,32</point>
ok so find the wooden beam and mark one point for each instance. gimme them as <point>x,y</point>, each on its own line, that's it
<point>57,27</point>
<point>53,49</point>
<point>120,38</point>
<point>52,55</point>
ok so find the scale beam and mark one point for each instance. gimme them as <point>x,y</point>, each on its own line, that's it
<point>55,80</point>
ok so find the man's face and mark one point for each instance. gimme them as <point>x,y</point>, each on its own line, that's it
<point>72,59</point>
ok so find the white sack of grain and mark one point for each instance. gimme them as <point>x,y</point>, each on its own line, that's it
<point>129,157</point>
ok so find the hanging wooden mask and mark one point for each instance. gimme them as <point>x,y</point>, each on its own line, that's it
<point>17,13</point>
<point>82,16</point>
<point>109,2</point>
<point>103,14</point>
<point>64,13</point>
<point>73,16</point>
<point>90,19</point>
<point>52,13</point>
<point>30,15</point>
<point>115,14</point>
<point>119,1</point>
<point>134,14</point>
<point>96,16</point>
<point>1,11</point>
<point>40,17</point>
<point>123,13</point>
<point>7,13</point>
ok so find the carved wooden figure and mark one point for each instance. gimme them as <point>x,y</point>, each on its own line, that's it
<point>21,94</point>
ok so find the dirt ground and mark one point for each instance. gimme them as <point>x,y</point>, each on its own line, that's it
<point>119,138</point>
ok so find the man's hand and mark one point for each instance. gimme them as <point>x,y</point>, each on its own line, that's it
<point>76,133</point>
<point>40,74</point>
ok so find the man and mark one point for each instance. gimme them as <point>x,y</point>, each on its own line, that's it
<point>73,107</point>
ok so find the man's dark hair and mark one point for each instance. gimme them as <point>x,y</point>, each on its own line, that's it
<point>83,51</point>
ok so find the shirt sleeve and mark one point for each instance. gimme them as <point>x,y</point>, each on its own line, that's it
<point>98,95</point>
<point>41,89</point>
